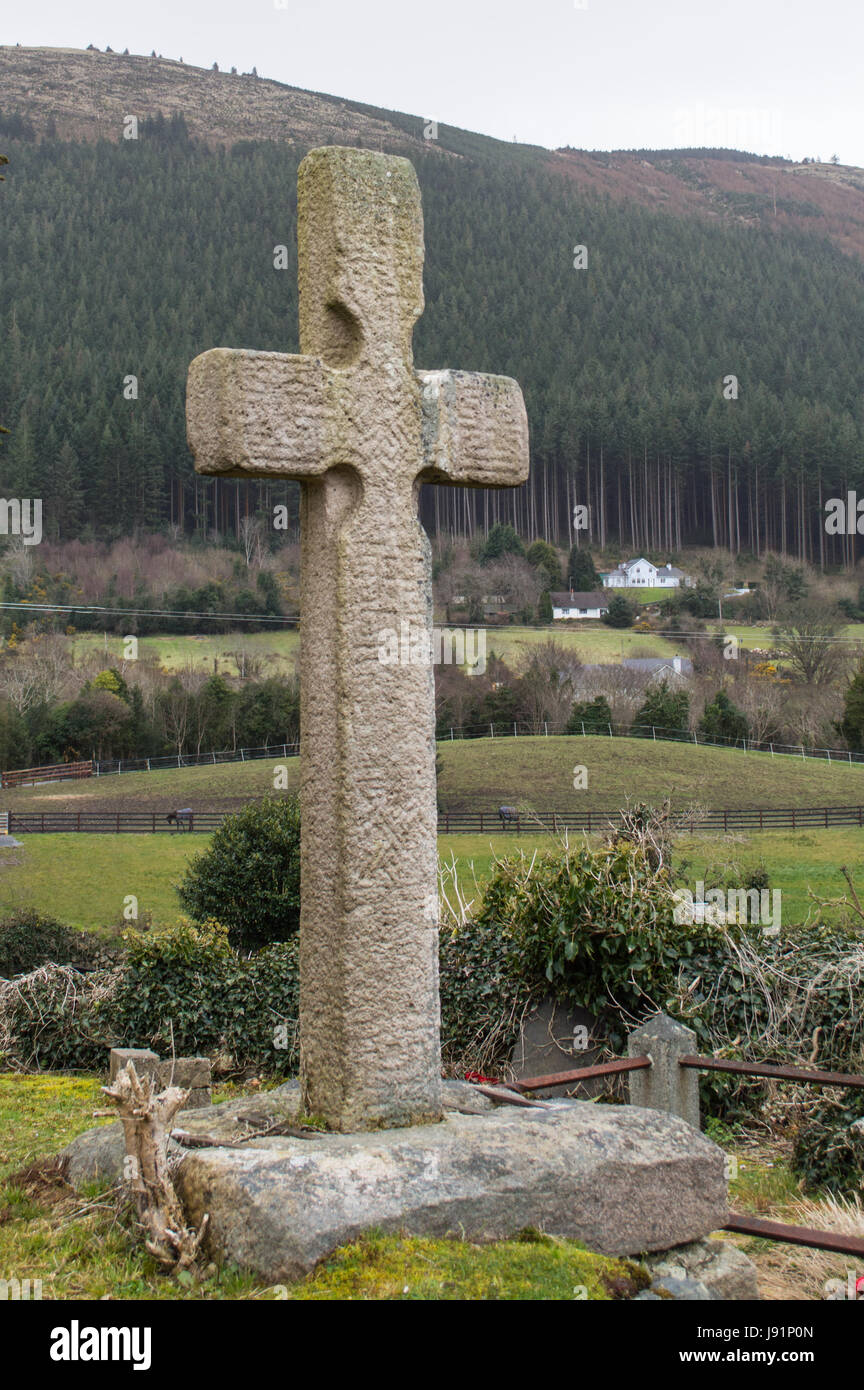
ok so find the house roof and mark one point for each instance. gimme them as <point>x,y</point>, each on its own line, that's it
<point>652,664</point>
<point>580,599</point>
<point>626,565</point>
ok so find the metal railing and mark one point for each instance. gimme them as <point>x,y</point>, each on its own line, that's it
<point>109,767</point>
<point>736,1221</point>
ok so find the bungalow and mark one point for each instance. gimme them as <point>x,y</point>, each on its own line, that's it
<point>641,574</point>
<point>571,604</point>
<point>660,667</point>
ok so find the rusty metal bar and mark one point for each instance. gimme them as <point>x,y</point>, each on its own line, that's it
<point>794,1235</point>
<point>817,1078</point>
<point>562,1078</point>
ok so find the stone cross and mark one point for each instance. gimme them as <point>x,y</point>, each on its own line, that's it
<point>353,421</point>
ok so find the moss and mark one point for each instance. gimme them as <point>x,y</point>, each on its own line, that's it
<point>530,1266</point>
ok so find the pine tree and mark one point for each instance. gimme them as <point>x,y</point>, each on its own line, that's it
<point>581,573</point>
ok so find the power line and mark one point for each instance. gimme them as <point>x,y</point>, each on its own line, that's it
<point>148,612</point>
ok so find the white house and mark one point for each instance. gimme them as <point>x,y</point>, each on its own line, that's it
<point>571,604</point>
<point>641,574</point>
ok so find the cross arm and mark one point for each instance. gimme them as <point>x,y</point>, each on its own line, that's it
<point>475,430</point>
<point>257,413</point>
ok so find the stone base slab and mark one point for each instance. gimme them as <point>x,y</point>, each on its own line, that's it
<point>621,1179</point>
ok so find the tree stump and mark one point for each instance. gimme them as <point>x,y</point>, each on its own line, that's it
<point>146,1119</point>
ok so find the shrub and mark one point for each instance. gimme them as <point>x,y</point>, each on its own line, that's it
<point>484,995</point>
<point>722,719</point>
<point>620,613</point>
<point>594,716</point>
<point>29,939</point>
<point>663,708</point>
<point>594,926</point>
<point>56,1018</point>
<point>827,1152</point>
<point>249,877</point>
<point>187,989</point>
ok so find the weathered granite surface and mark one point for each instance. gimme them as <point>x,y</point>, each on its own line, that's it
<point>724,1270</point>
<point>361,429</point>
<point>621,1179</point>
<point>97,1154</point>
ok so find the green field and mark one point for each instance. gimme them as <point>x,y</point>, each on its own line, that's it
<point>277,650</point>
<point>479,774</point>
<point>85,879</point>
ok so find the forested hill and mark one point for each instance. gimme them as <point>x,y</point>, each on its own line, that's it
<point>124,258</point>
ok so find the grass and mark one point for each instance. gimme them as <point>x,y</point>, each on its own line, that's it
<point>795,863</point>
<point>277,649</point>
<point>763,1185</point>
<point>80,1248</point>
<point>84,879</point>
<point>537,773</point>
<point>593,644</point>
<point>480,774</point>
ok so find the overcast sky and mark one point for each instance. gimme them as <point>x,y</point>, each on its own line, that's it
<point>772,76</point>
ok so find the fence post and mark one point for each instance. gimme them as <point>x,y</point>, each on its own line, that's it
<point>653,733</point>
<point>148,764</point>
<point>481,822</point>
<point>609,727</point>
<point>545,729</point>
<point>665,1085</point>
<point>582,722</point>
<point>242,755</point>
<point>514,728</point>
<point>451,735</point>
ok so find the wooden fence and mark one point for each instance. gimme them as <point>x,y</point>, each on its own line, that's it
<point>449,822</point>
<point>52,772</point>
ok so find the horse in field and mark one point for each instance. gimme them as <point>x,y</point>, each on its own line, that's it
<point>506,814</point>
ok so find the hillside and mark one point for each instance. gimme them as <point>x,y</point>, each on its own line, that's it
<point>85,95</point>
<point>123,257</point>
<point>478,775</point>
